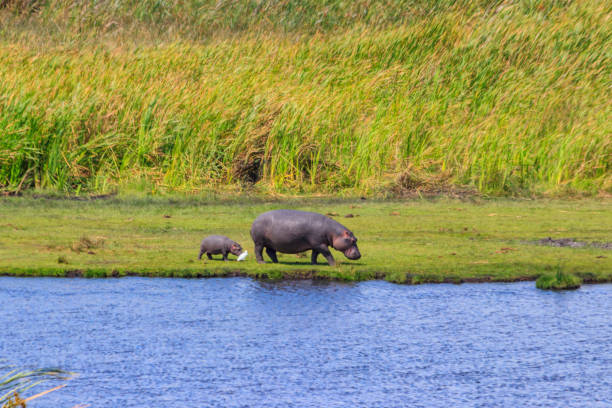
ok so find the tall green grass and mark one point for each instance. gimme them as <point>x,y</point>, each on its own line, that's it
<point>507,97</point>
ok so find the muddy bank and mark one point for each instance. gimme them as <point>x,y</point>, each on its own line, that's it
<point>408,279</point>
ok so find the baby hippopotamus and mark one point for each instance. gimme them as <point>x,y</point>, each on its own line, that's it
<point>291,231</point>
<point>219,244</point>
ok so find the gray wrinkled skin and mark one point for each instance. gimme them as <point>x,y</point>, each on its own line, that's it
<point>290,231</point>
<point>219,244</point>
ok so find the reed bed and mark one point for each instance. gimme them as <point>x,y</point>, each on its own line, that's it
<point>367,97</point>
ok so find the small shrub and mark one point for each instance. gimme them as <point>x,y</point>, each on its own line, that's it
<point>62,259</point>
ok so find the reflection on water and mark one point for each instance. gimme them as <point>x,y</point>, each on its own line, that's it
<point>240,343</point>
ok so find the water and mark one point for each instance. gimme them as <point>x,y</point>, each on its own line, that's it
<point>240,343</point>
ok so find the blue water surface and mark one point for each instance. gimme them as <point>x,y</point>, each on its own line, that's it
<point>141,342</point>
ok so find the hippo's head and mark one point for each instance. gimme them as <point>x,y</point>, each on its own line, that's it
<point>236,249</point>
<point>346,243</point>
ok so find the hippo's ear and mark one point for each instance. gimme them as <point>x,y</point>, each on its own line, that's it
<point>348,234</point>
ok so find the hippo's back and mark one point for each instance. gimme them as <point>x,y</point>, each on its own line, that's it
<point>288,219</point>
<point>291,230</point>
<point>215,241</point>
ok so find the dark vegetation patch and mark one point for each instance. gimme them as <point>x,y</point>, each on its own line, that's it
<point>248,166</point>
<point>572,243</point>
<point>88,197</point>
<point>76,273</point>
<point>21,6</point>
<point>335,214</point>
<point>19,192</point>
<point>248,170</point>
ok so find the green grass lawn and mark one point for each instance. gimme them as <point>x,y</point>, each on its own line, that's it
<point>411,241</point>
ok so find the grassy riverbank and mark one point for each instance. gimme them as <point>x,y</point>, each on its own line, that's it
<point>368,97</point>
<point>413,242</point>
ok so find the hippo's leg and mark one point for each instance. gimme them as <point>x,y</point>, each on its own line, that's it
<point>325,252</point>
<point>313,257</point>
<point>258,253</point>
<point>272,254</point>
<point>209,255</point>
<point>224,255</point>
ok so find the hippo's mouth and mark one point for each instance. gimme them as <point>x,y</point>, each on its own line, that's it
<point>352,253</point>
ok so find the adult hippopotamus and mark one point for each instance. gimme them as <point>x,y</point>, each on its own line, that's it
<point>290,231</point>
<point>219,244</point>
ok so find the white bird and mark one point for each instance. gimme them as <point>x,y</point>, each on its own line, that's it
<point>242,256</point>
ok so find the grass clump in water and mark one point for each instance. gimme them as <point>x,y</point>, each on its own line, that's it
<point>558,281</point>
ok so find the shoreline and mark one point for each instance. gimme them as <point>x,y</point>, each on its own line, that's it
<point>587,278</point>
